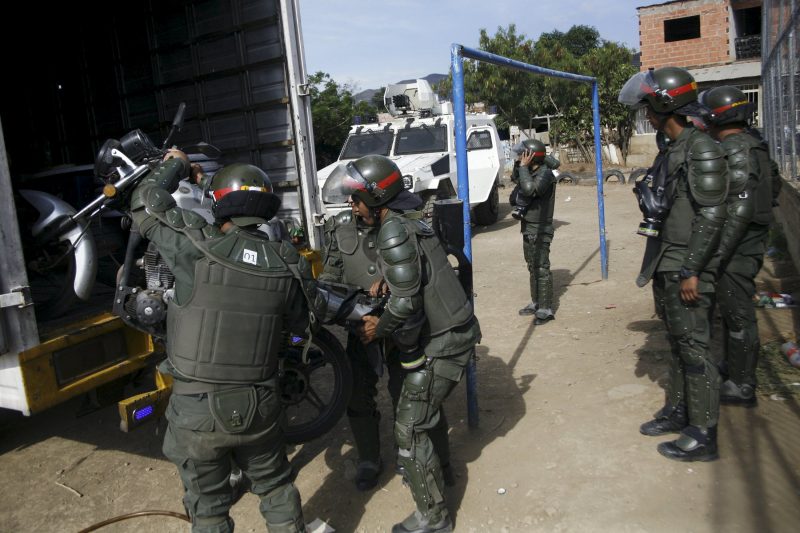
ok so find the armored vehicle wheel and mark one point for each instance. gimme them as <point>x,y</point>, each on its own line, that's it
<point>487,212</point>
<point>315,395</point>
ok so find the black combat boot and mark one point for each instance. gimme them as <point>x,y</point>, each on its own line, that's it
<point>416,523</point>
<point>668,420</point>
<point>544,316</point>
<point>732,394</point>
<point>694,444</point>
<point>367,474</point>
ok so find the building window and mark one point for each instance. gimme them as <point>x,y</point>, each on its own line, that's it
<point>682,29</point>
<point>748,21</point>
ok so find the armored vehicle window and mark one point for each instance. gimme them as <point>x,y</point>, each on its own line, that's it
<point>421,139</point>
<point>368,143</point>
<point>479,140</point>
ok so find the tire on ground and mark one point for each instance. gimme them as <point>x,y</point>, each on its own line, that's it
<point>567,178</point>
<point>614,175</point>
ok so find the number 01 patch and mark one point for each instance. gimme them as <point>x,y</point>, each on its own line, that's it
<point>250,256</point>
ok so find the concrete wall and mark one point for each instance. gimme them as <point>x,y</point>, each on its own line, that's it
<point>642,151</point>
<point>712,47</point>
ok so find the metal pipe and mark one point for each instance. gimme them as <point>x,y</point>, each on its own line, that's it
<point>598,164</point>
<point>460,124</point>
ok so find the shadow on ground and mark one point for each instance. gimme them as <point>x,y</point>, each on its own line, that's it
<point>501,406</point>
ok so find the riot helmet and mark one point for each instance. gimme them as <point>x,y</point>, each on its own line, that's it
<point>242,193</point>
<point>664,90</point>
<point>534,145</point>
<point>726,105</point>
<point>373,179</point>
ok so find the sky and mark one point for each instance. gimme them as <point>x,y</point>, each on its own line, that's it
<point>366,44</point>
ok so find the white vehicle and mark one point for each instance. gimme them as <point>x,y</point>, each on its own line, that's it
<point>419,137</point>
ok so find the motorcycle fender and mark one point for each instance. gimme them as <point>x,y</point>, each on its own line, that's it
<point>52,209</point>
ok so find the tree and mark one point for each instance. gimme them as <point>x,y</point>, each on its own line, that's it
<point>519,95</point>
<point>332,110</point>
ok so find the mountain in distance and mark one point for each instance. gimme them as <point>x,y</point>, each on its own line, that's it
<point>367,94</point>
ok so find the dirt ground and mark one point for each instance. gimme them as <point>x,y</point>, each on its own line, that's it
<point>560,406</point>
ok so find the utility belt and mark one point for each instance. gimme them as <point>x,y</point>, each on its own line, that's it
<point>232,406</point>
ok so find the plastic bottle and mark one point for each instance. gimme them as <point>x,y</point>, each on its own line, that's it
<point>792,352</point>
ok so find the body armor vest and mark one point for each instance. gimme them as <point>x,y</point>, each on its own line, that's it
<point>678,225</point>
<point>446,305</point>
<point>541,209</point>
<point>359,254</point>
<point>231,328</point>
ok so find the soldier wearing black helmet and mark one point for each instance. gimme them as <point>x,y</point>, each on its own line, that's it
<point>236,296</point>
<point>683,203</point>
<point>534,200</point>
<point>421,282</point>
<point>754,184</point>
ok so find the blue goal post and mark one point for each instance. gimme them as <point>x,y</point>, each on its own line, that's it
<point>457,55</point>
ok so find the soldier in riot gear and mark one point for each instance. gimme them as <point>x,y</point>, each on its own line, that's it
<point>754,184</point>
<point>420,280</point>
<point>236,297</point>
<point>684,209</point>
<point>351,257</point>
<point>536,190</point>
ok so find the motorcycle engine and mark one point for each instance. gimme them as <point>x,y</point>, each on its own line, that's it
<point>146,308</point>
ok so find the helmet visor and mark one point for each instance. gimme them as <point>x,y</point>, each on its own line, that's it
<point>342,183</point>
<point>636,89</point>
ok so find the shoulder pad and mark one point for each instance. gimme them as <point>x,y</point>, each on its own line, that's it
<point>738,153</point>
<point>210,231</point>
<point>708,171</point>
<point>393,233</point>
<point>193,220</point>
<point>158,200</point>
<point>174,218</point>
<point>345,217</point>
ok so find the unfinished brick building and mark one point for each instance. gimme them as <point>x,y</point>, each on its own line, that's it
<point>718,41</point>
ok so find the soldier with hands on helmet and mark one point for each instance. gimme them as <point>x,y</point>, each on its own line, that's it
<point>351,257</point>
<point>237,295</point>
<point>534,203</point>
<point>683,203</point>
<point>435,350</point>
<point>754,184</point>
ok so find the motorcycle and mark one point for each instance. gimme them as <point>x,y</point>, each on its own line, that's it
<point>314,371</point>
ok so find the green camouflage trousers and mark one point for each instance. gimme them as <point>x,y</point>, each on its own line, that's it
<point>693,376</point>
<point>418,420</point>
<point>204,454</point>
<point>536,250</point>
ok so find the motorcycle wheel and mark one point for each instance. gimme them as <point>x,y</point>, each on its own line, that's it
<point>51,289</point>
<point>315,395</point>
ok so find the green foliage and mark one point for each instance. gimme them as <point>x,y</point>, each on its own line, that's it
<point>332,110</point>
<point>519,96</point>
